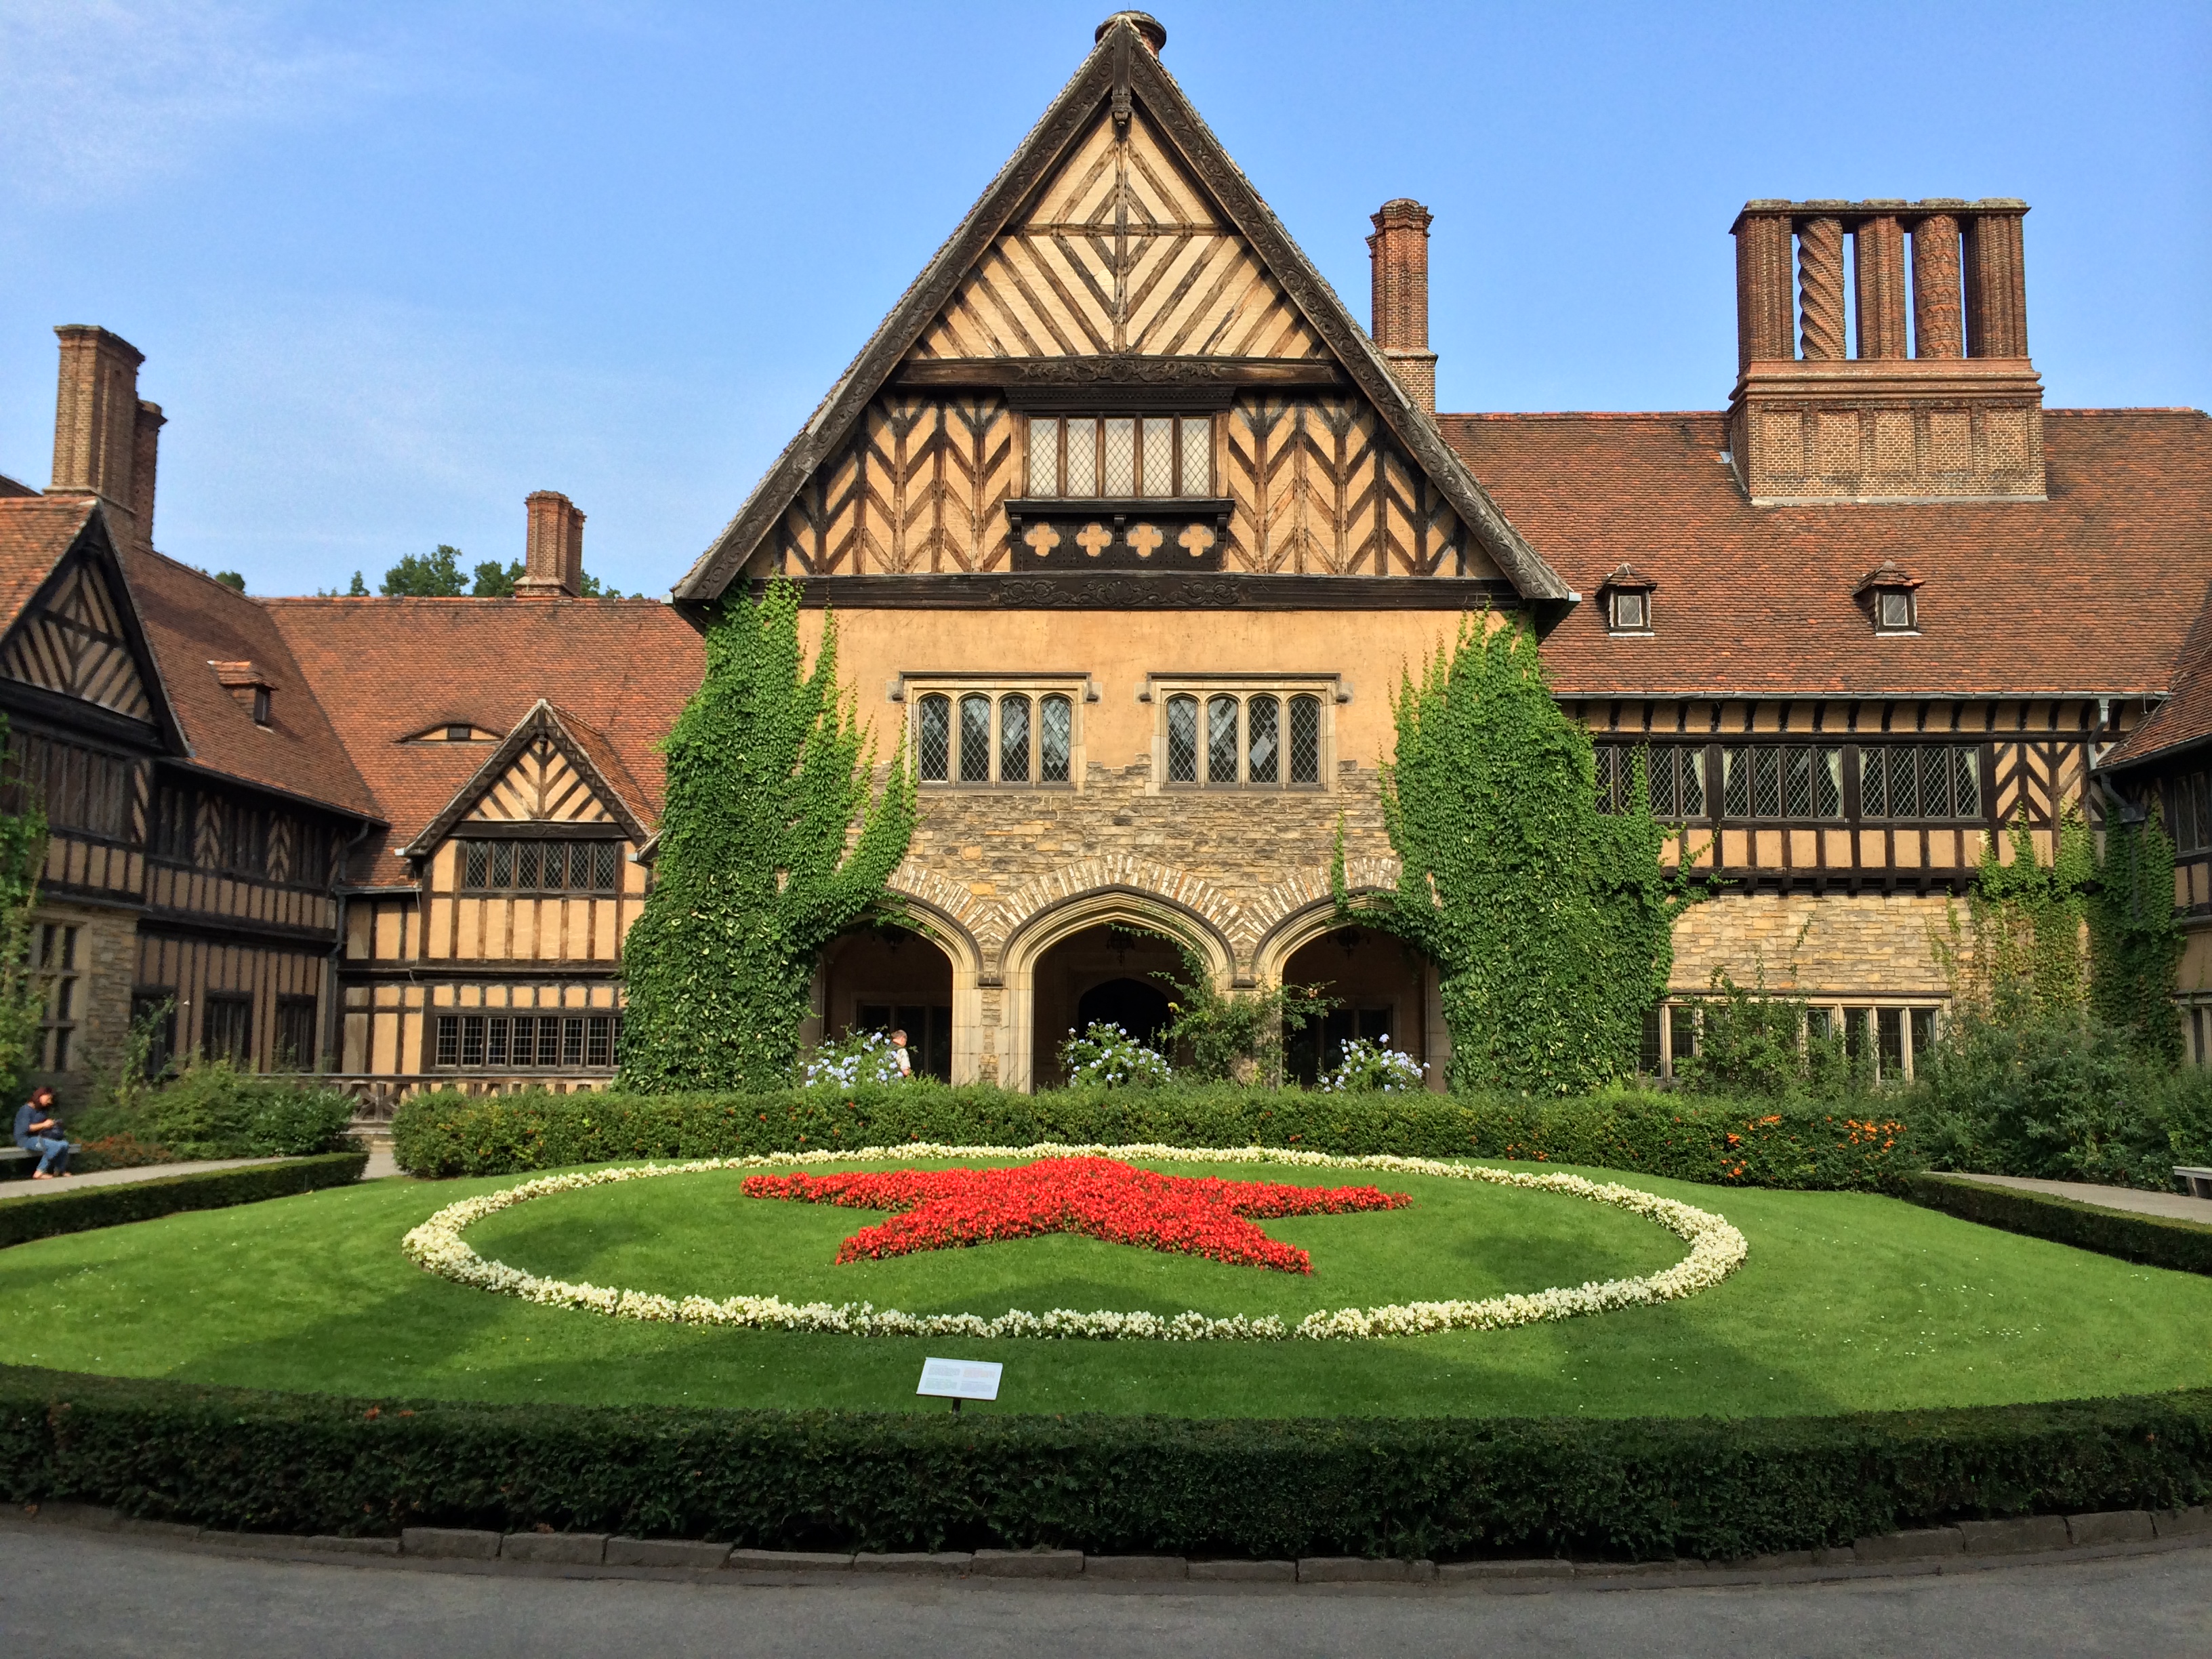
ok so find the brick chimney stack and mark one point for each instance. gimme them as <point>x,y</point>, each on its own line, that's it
<point>104,439</point>
<point>1824,413</point>
<point>1399,254</point>
<point>553,564</point>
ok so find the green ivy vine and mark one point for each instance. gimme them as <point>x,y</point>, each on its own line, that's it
<point>1551,923</point>
<point>774,841</point>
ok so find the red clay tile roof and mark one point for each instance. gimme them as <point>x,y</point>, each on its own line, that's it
<point>2184,719</point>
<point>389,669</point>
<point>194,623</point>
<point>35,530</point>
<point>2088,594</point>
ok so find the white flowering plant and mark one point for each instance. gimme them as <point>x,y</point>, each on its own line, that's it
<point>850,1061</point>
<point>1372,1066</point>
<point>1107,1057</point>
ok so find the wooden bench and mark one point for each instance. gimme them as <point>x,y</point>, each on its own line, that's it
<point>2197,1184</point>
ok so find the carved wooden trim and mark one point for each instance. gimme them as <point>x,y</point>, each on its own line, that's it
<point>1139,591</point>
<point>1128,375</point>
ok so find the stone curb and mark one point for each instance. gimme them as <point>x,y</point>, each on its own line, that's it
<point>1924,1548</point>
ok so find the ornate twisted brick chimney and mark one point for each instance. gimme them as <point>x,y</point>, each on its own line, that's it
<point>1399,254</point>
<point>553,562</point>
<point>1830,407</point>
<point>107,439</point>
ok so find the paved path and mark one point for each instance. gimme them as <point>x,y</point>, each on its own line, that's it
<point>27,1188</point>
<point>2171,1205</point>
<point>69,1592</point>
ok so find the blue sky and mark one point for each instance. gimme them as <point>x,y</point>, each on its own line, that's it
<point>395,266</point>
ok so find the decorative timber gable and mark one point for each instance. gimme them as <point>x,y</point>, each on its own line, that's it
<point>552,770</point>
<point>1120,282</point>
<point>79,636</point>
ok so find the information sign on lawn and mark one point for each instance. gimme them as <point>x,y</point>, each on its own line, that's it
<point>959,1379</point>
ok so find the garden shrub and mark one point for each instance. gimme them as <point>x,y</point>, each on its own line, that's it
<point>1759,1144</point>
<point>857,1057</point>
<point>1367,1067</point>
<point>1107,1057</point>
<point>50,1214</point>
<point>1442,1488</point>
<point>2155,1240</point>
<point>214,1110</point>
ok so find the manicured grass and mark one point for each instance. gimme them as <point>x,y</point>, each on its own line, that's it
<point>1848,1302</point>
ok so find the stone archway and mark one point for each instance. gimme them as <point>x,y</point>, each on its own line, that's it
<point>1386,989</point>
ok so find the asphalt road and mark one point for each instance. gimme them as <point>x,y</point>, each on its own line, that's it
<point>65,1592</point>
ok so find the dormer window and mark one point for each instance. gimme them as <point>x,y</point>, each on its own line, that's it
<point>1625,600</point>
<point>248,684</point>
<point>261,705</point>
<point>1892,593</point>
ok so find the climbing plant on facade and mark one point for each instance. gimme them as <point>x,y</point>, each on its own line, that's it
<point>774,841</point>
<point>22,855</point>
<point>1551,923</point>
<point>2020,957</point>
<point>2134,942</point>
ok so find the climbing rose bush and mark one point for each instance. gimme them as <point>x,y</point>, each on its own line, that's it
<point>1109,1057</point>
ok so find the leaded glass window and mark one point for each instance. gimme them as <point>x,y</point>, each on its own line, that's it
<point>1305,740</point>
<point>1197,478</point>
<point>1014,739</point>
<point>1118,454</point>
<point>1056,739</point>
<point>1920,781</point>
<point>1082,456</point>
<point>1262,739</point>
<point>975,738</point>
<point>1159,458</point>
<point>933,738</point>
<point>1221,739</point>
<point>1044,455</point>
<point>1782,781</point>
<point>1076,456</point>
<point>1183,739</point>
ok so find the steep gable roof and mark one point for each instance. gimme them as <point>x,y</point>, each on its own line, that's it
<point>619,670</point>
<point>1120,76</point>
<point>587,775</point>
<point>2183,721</point>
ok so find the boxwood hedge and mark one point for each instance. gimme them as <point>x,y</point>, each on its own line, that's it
<point>48,1215</point>
<point>2155,1240</point>
<point>1689,1137</point>
<point>1440,1487</point>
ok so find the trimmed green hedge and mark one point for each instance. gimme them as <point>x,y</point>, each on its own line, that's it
<point>1689,1137</point>
<point>2156,1241</point>
<point>49,1215</point>
<point>1442,1488</point>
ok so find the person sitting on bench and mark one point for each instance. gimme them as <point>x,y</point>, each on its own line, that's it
<point>36,1131</point>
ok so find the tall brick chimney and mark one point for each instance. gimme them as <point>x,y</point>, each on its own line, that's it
<point>553,564</point>
<point>1399,254</point>
<point>1831,416</point>
<point>104,439</point>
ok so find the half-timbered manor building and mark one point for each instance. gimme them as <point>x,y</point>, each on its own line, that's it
<point>1131,529</point>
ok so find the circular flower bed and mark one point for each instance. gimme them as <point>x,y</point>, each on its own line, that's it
<point>1717,1249</point>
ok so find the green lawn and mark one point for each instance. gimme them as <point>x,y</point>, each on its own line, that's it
<point>1848,1302</point>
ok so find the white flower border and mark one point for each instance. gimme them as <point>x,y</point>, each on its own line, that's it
<point>1717,1249</point>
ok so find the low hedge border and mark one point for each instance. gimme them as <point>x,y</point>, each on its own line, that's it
<point>1723,1142</point>
<point>2154,1240</point>
<point>49,1215</point>
<point>1408,1487</point>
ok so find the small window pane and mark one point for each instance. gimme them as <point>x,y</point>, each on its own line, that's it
<point>502,864</point>
<point>1121,456</point>
<point>555,873</point>
<point>1767,783</point>
<point>549,1041</point>
<point>607,866</point>
<point>1055,739</point>
<point>1197,455</point>
<point>1263,728</point>
<point>472,1040</point>
<point>1890,1022</point>
<point>975,738</point>
<point>1044,455</point>
<point>1896,608</point>
<point>525,1043</point>
<point>599,1040</point>
<point>476,865</point>
<point>572,1042</point>
<point>449,1040</point>
<point>1966,782</point>
<point>1936,782</point>
<point>932,740</point>
<point>1798,783</point>
<point>496,1043</point>
<point>1628,610</point>
<point>1014,739</point>
<point>1903,785</point>
<point>1873,785</point>
<point>1305,740</point>
<point>527,863</point>
<point>1083,457</point>
<point>1159,456</point>
<point>1221,740</point>
<point>1735,782</point>
<point>1923,1033</point>
<point>1827,783</point>
<point>1183,739</point>
<point>1693,783</point>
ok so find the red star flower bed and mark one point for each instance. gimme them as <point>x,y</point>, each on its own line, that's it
<point>1098,1197</point>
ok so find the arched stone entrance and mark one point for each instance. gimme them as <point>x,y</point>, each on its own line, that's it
<point>1386,989</point>
<point>1104,973</point>
<point>881,979</point>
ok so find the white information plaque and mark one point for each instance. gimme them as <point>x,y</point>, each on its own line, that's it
<point>959,1379</point>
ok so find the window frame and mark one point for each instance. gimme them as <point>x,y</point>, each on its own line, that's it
<point>1287,691</point>
<point>1883,596</point>
<point>1038,690</point>
<point>1613,622</point>
<point>1179,453</point>
<point>465,852</point>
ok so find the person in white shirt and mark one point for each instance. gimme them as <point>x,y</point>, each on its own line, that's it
<point>898,1052</point>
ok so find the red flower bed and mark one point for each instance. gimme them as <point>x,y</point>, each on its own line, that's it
<point>1098,1197</point>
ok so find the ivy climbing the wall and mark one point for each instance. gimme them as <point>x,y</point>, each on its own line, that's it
<point>22,855</point>
<point>1551,924</point>
<point>774,841</point>
<point>2134,939</point>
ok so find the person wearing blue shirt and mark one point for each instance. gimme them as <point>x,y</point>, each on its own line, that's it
<point>36,1131</point>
